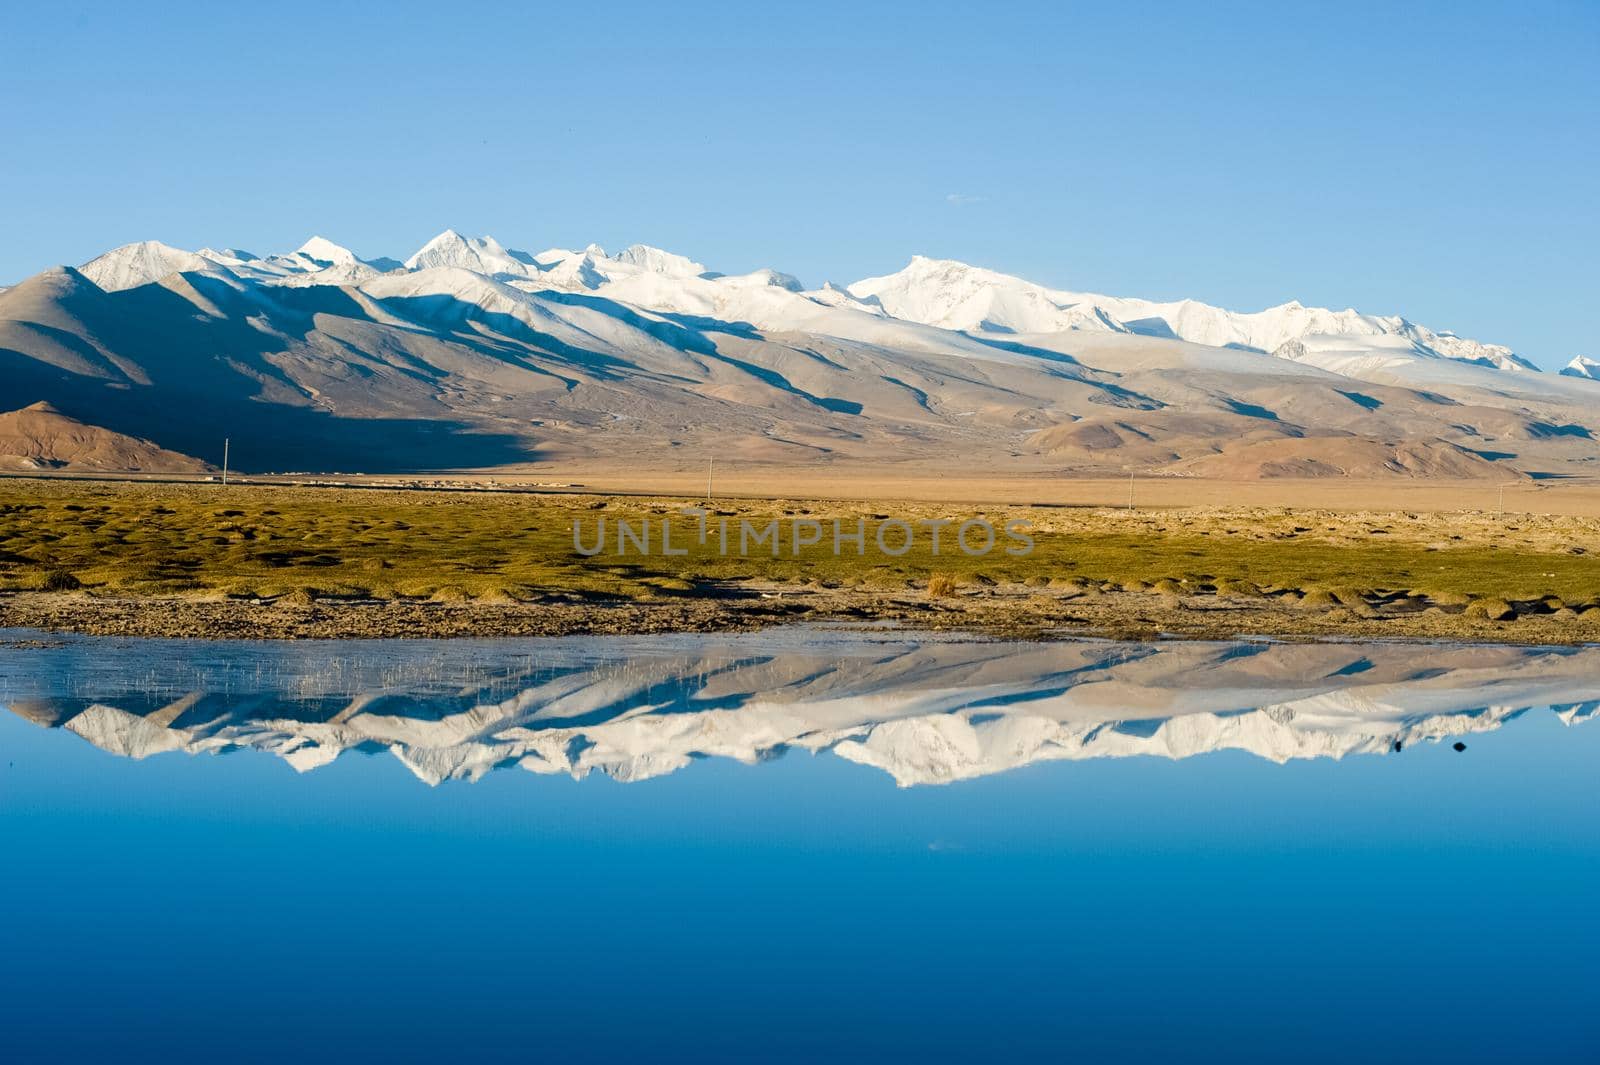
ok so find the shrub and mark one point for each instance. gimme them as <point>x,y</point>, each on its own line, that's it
<point>297,597</point>
<point>941,585</point>
<point>1348,596</point>
<point>58,580</point>
<point>1491,609</point>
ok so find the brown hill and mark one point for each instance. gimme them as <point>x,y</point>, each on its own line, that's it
<point>39,437</point>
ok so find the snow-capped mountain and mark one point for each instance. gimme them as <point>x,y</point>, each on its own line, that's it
<point>656,261</point>
<point>324,251</point>
<point>942,293</point>
<point>1582,366</point>
<point>953,295</point>
<point>472,353</point>
<point>483,255</point>
<point>928,712</point>
<point>143,263</point>
<point>318,261</point>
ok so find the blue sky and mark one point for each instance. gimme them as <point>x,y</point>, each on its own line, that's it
<point>1438,161</point>
<point>1421,906</point>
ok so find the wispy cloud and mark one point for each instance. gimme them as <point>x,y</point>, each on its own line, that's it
<point>958,199</point>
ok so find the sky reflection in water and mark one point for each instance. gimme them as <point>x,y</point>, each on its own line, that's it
<point>712,889</point>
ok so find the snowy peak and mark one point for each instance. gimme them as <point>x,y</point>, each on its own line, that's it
<point>931,290</point>
<point>593,268</point>
<point>1451,346</point>
<point>656,261</point>
<point>483,255</point>
<point>766,278</point>
<point>319,261</point>
<point>327,252</point>
<point>572,270</point>
<point>1582,366</point>
<point>954,295</point>
<point>141,263</point>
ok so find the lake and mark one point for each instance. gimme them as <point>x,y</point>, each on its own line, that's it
<point>796,844</point>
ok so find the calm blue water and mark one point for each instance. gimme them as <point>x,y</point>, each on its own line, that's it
<point>797,846</point>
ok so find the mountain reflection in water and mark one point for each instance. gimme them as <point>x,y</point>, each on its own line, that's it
<point>926,710</point>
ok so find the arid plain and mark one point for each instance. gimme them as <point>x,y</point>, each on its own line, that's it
<point>1190,558</point>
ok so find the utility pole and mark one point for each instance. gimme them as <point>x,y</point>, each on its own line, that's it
<point>1500,508</point>
<point>709,463</point>
<point>1130,489</point>
<point>224,460</point>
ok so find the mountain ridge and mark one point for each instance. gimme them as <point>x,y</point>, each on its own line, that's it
<point>471,354</point>
<point>945,293</point>
<point>955,295</point>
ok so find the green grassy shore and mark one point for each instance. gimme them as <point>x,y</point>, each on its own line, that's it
<point>70,551</point>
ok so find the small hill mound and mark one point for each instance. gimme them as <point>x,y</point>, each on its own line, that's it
<point>39,437</point>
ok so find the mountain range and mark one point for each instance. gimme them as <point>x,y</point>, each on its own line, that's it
<point>926,712</point>
<point>469,354</point>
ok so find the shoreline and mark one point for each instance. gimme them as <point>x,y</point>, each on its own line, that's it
<point>745,483</point>
<point>1016,614</point>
